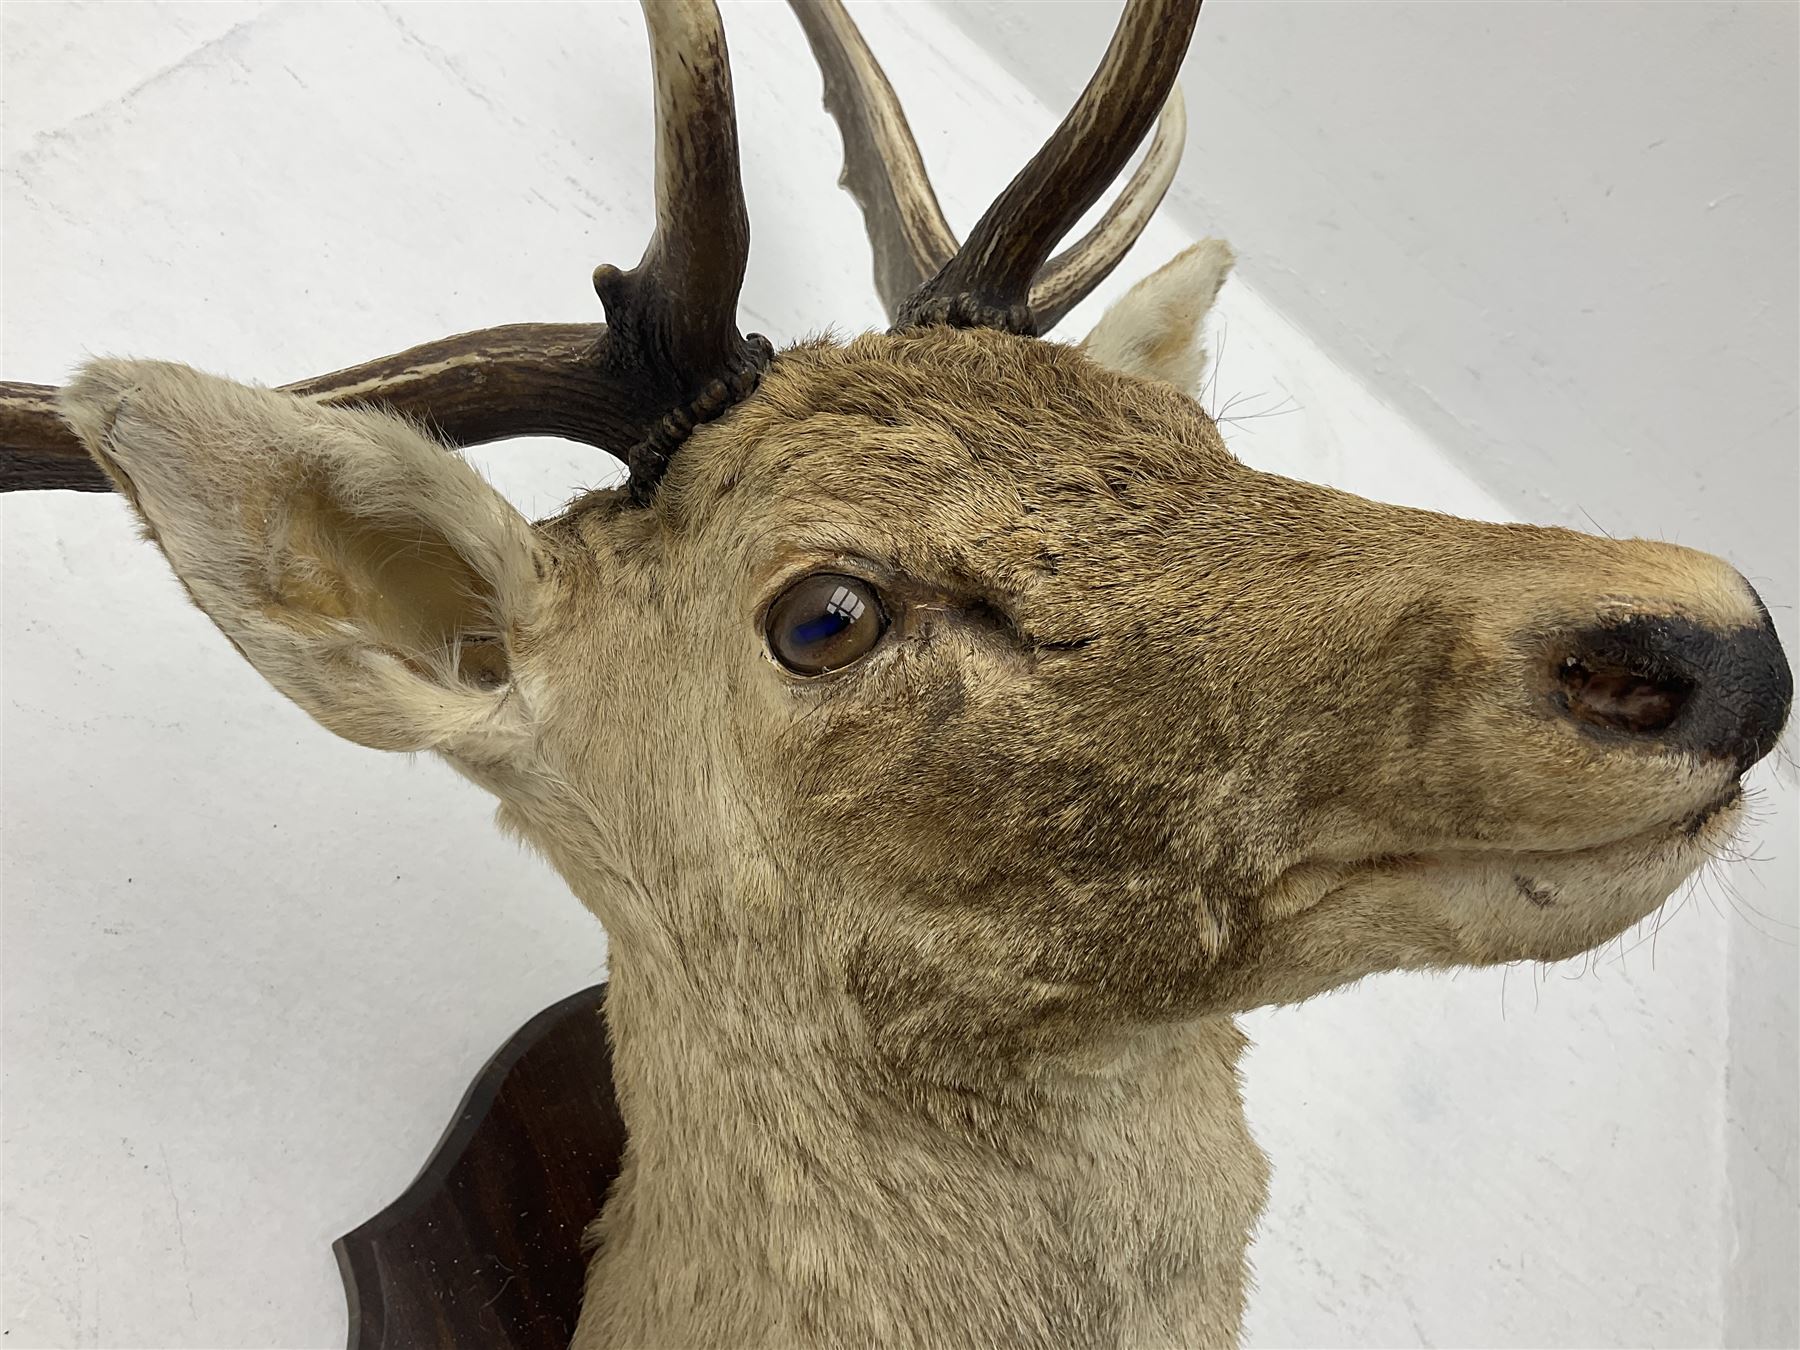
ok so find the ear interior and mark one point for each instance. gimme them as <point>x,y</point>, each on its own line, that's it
<point>1157,329</point>
<point>400,582</point>
<point>368,572</point>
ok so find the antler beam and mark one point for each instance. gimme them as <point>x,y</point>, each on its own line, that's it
<point>921,272</point>
<point>674,315</point>
<point>522,379</point>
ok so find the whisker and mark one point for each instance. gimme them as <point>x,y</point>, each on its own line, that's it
<point>1596,524</point>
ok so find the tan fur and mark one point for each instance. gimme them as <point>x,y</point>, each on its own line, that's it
<point>922,972</point>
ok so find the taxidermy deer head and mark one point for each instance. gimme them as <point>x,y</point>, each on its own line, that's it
<point>949,732</point>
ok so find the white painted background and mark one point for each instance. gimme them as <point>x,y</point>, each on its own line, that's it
<point>248,970</point>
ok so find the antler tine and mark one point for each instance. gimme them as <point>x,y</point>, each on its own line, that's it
<point>883,169</point>
<point>988,282</point>
<point>1064,281</point>
<point>674,316</point>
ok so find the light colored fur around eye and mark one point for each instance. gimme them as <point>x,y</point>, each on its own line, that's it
<point>1157,329</point>
<point>369,574</point>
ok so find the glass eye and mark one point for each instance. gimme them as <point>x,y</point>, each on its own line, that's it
<point>824,623</point>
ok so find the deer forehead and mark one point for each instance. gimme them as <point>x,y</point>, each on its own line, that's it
<point>968,458</point>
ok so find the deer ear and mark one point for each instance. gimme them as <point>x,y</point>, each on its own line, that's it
<point>370,574</point>
<point>1157,329</point>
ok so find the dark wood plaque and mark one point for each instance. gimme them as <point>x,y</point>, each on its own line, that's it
<point>483,1250</point>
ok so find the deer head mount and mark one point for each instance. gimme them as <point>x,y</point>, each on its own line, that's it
<point>949,731</point>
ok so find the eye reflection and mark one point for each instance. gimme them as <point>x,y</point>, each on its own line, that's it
<point>825,622</point>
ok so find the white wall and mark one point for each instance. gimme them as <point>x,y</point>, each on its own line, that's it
<point>248,970</point>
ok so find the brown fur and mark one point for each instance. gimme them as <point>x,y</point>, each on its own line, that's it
<point>922,971</point>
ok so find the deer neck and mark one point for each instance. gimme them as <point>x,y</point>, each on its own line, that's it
<point>785,1184</point>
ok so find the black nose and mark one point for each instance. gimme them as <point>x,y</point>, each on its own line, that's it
<point>1719,694</point>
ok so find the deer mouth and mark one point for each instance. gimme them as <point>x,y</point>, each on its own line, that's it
<point>1695,824</point>
<point>1710,825</point>
<point>1686,843</point>
<point>1554,905</point>
<point>1488,905</point>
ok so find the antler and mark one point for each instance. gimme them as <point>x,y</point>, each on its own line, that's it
<point>669,358</point>
<point>674,315</point>
<point>883,169</point>
<point>999,278</point>
<point>523,379</point>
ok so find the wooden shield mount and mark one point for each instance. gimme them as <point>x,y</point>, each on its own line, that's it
<point>483,1251</point>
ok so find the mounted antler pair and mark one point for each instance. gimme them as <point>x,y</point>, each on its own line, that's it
<point>670,355</point>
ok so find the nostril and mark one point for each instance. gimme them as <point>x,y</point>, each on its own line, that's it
<point>1607,695</point>
<point>1719,693</point>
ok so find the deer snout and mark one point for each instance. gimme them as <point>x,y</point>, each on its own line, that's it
<point>1718,693</point>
